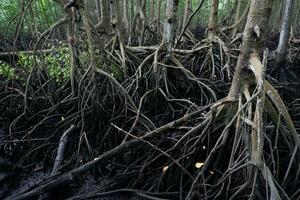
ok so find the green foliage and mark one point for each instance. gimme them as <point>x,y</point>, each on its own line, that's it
<point>26,62</point>
<point>6,71</point>
<point>56,64</point>
<point>116,71</point>
<point>39,15</point>
<point>84,58</point>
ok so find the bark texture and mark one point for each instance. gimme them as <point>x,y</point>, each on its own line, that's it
<point>285,31</point>
<point>213,18</point>
<point>170,22</point>
<point>253,35</point>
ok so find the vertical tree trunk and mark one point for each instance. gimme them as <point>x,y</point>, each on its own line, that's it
<point>142,22</point>
<point>113,14</point>
<point>73,44</point>
<point>131,11</point>
<point>158,16</point>
<point>168,31</point>
<point>190,8</point>
<point>237,16</point>
<point>104,16</point>
<point>98,11</point>
<point>125,15</point>
<point>152,8</point>
<point>170,22</point>
<point>116,18</point>
<point>285,32</point>
<point>213,19</point>
<point>134,17</point>
<point>86,22</point>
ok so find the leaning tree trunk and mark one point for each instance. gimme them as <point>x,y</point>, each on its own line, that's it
<point>253,34</point>
<point>249,72</point>
<point>186,13</point>
<point>285,32</point>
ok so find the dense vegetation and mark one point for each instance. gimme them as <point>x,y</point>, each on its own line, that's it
<point>149,99</point>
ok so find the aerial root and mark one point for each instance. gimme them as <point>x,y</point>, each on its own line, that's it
<point>66,177</point>
<point>210,58</point>
<point>246,154</point>
<point>251,159</point>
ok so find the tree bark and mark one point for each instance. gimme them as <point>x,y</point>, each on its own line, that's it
<point>213,19</point>
<point>170,21</point>
<point>158,16</point>
<point>285,32</point>
<point>98,11</point>
<point>142,19</point>
<point>152,8</point>
<point>125,15</point>
<point>186,13</point>
<point>237,16</point>
<point>73,43</point>
<point>104,16</point>
<point>253,34</point>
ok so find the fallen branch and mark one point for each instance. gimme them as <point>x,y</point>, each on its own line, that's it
<point>16,53</point>
<point>61,149</point>
<point>60,155</point>
<point>142,49</point>
<point>52,182</point>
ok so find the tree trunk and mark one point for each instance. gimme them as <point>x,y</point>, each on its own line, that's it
<point>88,29</point>
<point>253,34</point>
<point>249,72</point>
<point>73,44</point>
<point>113,14</point>
<point>237,16</point>
<point>213,19</point>
<point>98,10</point>
<point>116,18</point>
<point>158,16</point>
<point>142,22</point>
<point>152,8</point>
<point>285,32</point>
<point>125,15</point>
<point>186,13</point>
<point>170,21</point>
<point>104,19</point>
